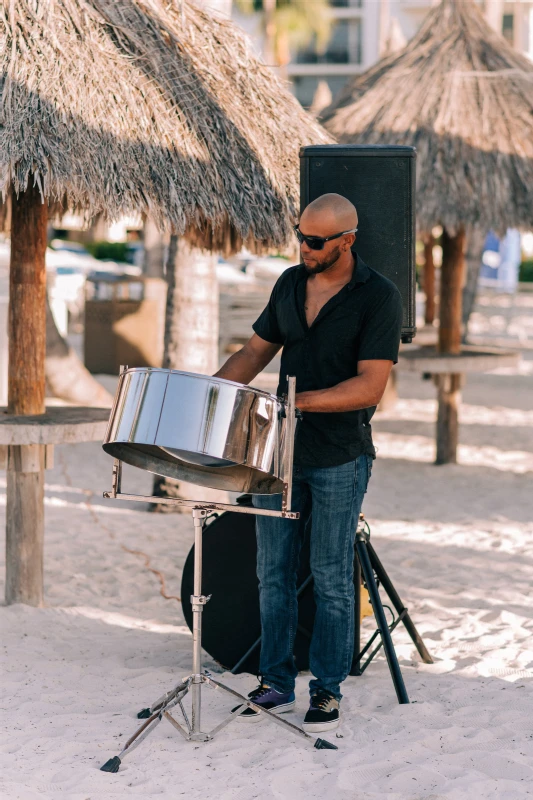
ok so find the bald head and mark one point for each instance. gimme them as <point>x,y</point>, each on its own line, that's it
<point>328,214</point>
<point>326,218</point>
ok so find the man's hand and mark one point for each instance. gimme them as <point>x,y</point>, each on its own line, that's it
<point>245,364</point>
<point>363,391</point>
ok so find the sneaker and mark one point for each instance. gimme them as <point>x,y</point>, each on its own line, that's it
<point>267,697</point>
<point>323,713</point>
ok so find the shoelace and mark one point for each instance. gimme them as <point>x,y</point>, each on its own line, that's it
<point>259,692</point>
<point>320,700</point>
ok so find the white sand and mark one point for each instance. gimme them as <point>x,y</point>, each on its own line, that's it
<point>458,543</point>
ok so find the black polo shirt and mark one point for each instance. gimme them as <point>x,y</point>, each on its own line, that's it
<point>361,322</point>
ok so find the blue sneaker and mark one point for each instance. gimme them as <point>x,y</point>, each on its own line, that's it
<point>267,697</point>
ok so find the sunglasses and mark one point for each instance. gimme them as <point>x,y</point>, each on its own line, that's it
<point>318,242</point>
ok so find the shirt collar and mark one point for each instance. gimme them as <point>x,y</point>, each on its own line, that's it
<point>361,272</point>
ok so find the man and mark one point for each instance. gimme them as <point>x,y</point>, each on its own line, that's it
<point>339,323</point>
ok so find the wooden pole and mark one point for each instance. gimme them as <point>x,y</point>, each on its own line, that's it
<point>429,280</point>
<point>26,391</point>
<point>27,304</point>
<point>449,398</point>
<point>451,291</point>
<point>449,386</point>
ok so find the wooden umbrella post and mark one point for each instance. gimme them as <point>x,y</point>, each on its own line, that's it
<point>429,280</point>
<point>449,385</point>
<point>26,393</point>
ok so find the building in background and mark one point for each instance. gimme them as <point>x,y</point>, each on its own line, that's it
<point>363,30</point>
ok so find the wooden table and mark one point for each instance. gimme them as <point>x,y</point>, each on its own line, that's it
<point>26,450</point>
<point>449,374</point>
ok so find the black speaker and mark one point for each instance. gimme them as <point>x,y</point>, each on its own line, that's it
<point>380,181</point>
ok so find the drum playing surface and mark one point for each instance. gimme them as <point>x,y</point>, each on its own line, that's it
<point>203,430</point>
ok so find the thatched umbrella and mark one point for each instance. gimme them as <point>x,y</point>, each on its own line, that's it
<point>114,106</point>
<point>464,98</point>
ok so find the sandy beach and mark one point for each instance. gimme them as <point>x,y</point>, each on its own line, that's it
<point>457,542</point>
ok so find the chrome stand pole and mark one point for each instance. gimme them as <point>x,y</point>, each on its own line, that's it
<point>198,601</point>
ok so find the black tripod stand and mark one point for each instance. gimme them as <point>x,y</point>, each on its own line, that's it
<point>374,573</point>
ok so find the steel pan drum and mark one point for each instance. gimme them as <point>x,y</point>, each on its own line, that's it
<point>198,429</point>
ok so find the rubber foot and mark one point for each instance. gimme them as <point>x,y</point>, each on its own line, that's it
<point>322,744</point>
<point>113,765</point>
<point>144,714</point>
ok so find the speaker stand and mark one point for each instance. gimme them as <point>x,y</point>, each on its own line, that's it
<point>372,569</point>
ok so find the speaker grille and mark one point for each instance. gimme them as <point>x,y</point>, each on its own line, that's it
<point>380,182</point>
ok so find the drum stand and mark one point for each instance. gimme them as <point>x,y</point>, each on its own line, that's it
<point>192,730</point>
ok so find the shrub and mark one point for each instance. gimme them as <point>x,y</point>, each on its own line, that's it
<point>113,251</point>
<point>526,271</point>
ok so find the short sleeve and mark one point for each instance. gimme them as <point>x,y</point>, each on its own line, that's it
<point>266,325</point>
<point>381,331</point>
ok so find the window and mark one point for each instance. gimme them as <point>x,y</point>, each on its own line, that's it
<point>508,27</point>
<point>344,47</point>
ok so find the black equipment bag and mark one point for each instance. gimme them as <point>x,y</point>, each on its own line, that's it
<point>231,622</point>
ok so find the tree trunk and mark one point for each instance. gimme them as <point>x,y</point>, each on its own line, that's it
<point>154,250</point>
<point>66,376</point>
<point>474,254</point>
<point>191,319</point>
<point>191,325</point>
<point>451,288</point>
<point>26,392</point>
<point>429,280</point>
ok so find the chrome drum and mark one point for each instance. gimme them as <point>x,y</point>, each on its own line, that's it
<point>198,429</point>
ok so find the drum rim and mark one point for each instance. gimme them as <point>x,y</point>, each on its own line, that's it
<point>205,378</point>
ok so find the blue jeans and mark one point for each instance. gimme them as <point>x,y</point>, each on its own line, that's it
<point>336,495</point>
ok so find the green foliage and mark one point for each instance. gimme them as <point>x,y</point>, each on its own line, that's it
<point>114,251</point>
<point>526,271</point>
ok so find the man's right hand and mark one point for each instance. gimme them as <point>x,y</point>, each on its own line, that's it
<point>245,364</point>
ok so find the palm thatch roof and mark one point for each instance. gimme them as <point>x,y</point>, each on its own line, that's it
<point>114,106</point>
<point>464,98</point>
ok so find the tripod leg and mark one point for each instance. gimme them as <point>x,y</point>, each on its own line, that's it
<point>320,744</point>
<point>356,663</point>
<point>366,566</point>
<point>398,605</point>
<point>147,727</point>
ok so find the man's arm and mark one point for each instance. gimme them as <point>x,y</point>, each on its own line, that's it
<point>363,391</point>
<point>245,364</point>
<point>378,351</point>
